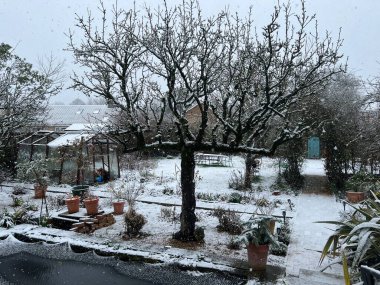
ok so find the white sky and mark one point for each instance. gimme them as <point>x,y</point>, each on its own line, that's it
<point>36,27</point>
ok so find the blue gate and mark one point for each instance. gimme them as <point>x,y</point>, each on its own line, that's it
<point>313,148</point>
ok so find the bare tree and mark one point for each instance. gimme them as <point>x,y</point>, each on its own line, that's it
<point>159,63</point>
<point>24,94</point>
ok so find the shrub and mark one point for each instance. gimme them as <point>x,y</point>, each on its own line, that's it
<point>17,202</point>
<point>19,190</point>
<point>361,182</point>
<point>199,234</point>
<point>56,202</point>
<point>23,216</point>
<point>235,198</point>
<point>279,184</point>
<point>264,206</point>
<point>167,191</point>
<point>284,233</point>
<point>236,180</point>
<point>234,244</point>
<point>169,214</point>
<point>6,220</point>
<point>279,249</point>
<point>134,223</point>
<point>229,221</point>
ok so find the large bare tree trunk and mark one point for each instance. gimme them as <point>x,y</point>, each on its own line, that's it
<point>188,218</point>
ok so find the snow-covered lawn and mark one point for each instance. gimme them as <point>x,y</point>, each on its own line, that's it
<point>163,178</point>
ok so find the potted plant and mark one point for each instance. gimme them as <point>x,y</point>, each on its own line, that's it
<point>358,185</point>
<point>38,169</point>
<point>257,237</point>
<point>72,204</point>
<point>118,198</point>
<point>356,237</point>
<point>91,203</point>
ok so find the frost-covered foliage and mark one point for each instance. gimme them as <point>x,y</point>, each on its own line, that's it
<point>256,231</point>
<point>237,180</point>
<point>36,169</point>
<point>362,182</point>
<point>24,93</point>
<point>341,112</point>
<point>229,221</point>
<point>6,219</point>
<point>134,222</point>
<point>357,236</point>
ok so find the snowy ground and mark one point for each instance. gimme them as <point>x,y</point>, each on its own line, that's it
<point>212,188</point>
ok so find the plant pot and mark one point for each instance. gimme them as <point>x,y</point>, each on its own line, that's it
<point>39,191</point>
<point>73,204</point>
<point>118,207</point>
<point>257,256</point>
<point>91,205</point>
<point>354,197</point>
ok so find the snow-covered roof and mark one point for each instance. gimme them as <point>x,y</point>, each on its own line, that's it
<point>68,139</point>
<point>77,114</point>
<point>91,128</point>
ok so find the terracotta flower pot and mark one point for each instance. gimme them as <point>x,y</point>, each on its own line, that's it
<point>73,204</point>
<point>39,191</point>
<point>258,256</point>
<point>118,207</point>
<point>91,205</point>
<point>354,197</point>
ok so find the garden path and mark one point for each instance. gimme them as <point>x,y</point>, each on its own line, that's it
<point>308,238</point>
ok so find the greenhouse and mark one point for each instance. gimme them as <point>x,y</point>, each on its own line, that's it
<point>74,157</point>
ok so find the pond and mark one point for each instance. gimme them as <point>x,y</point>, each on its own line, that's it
<point>26,268</point>
<point>41,263</point>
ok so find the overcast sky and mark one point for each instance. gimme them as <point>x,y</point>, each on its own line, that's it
<point>36,27</point>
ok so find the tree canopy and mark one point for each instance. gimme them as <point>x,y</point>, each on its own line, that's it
<point>157,64</point>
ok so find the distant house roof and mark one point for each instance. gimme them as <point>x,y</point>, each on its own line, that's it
<point>77,114</point>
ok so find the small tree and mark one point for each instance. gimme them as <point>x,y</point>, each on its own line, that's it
<point>24,94</point>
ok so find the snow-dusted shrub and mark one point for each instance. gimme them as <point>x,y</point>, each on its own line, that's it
<point>168,190</point>
<point>279,249</point>
<point>134,222</point>
<point>23,215</point>
<point>36,170</point>
<point>169,214</point>
<point>19,190</point>
<point>235,198</point>
<point>127,190</point>
<point>199,234</point>
<point>284,232</point>
<point>362,182</point>
<point>17,202</point>
<point>229,221</point>
<point>236,180</point>
<point>234,244</point>
<point>6,219</point>
<point>56,202</point>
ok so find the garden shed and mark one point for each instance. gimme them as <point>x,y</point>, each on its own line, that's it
<point>77,156</point>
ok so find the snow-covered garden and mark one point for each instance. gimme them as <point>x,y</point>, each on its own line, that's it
<point>159,200</point>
